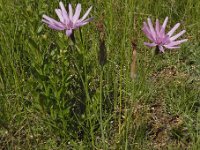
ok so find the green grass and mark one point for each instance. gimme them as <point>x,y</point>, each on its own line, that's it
<point>56,95</point>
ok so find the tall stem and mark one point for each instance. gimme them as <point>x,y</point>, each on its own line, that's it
<point>101,103</point>
<point>157,50</point>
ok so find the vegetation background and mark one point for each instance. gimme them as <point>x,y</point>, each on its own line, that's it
<point>56,95</point>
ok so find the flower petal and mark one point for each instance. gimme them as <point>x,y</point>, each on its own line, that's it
<point>162,30</point>
<point>157,27</point>
<point>177,35</point>
<point>146,28</point>
<point>161,49</point>
<point>56,27</point>
<point>150,44</point>
<point>77,13</point>
<point>86,14</point>
<point>177,42</point>
<point>171,47</point>
<point>82,23</point>
<point>166,39</point>
<point>165,22</point>
<point>59,14</point>
<point>173,29</point>
<point>50,21</point>
<point>148,34</point>
<point>153,33</point>
<point>70,12</point>
<point>64,12</point>
<point>69,32</point>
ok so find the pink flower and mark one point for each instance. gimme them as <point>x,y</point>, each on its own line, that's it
<point>159,38</point>
<point>68,21</point>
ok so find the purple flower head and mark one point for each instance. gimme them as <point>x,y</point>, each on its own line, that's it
<point>159,38</point>
<point>68,20</point>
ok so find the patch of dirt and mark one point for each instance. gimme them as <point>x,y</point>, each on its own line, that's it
<point>165,129</point>
<point>169,73</point>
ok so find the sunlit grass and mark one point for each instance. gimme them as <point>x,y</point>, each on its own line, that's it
<point>56,95</point>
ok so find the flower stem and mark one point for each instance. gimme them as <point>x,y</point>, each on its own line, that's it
<point>157,50</point>
<point>72,37</point>
<point>81,35</point>
<point>101,103</point>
